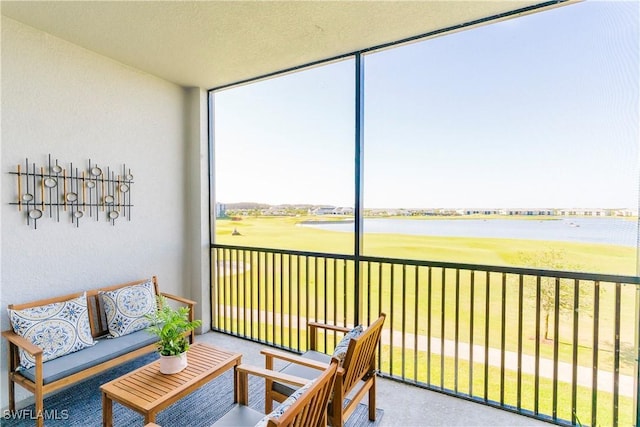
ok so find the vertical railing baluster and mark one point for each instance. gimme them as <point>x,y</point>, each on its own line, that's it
<point>241,262</point>
<point>416,322</point>
<point>636,373</point>
<point>380,307</point>
<point>429,302</point>
<point>574,373</point>
<point>335,299</point>
<point>270,300</point>
<point>215,303</point>
<point>251,266</point>
<point>345,293</point>
<point>316,287</point>
<point>392,312</point>
<point>596,350</point>
<point>230,278</point>
<point>520,332</point>
<point>229,303</point>
<point>239,291</point>
<point>235,287</point>
<point>265,290</point>
<point>224,289</point>
<point>274,310</point>
<point>298,308</point>
<point>536,376</point>
<point>487,304</point>
<point>404,318</point>
<point>215,289</point>
<point>443,305</point>
<point>616,356</point>
<point>503,336</point>
<point>326,298</point>
<point>556,343</point>
<point>279,287</point>
<point>222,273</point>
<point>261,310</point>
<point>368,292</point>
<point>290,299</point>
<point>472,292</point>
<point>223,296</point>
<point>456,331</point>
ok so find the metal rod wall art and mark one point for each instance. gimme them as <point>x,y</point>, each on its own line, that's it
<point>75,193</point>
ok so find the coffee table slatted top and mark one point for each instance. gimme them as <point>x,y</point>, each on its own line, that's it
<point>148,391</point>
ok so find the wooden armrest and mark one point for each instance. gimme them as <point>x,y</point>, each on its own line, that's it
<point>21,342</point>
<point>329,327</point>
<point>294,358</point>
<point>272,375</point>
<point>242,380</point>
<point>179,299</point>
<point>313,332</point>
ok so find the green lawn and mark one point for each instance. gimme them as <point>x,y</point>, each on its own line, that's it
<point>283,233</point>
<point>438,302</point>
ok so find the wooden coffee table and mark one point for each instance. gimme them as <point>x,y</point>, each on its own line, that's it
<point>147,391</point>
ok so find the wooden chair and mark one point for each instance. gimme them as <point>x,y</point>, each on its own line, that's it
<point>357,377</point>
<point>308,408</point>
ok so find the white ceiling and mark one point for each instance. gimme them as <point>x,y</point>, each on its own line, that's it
<point>213,43</point>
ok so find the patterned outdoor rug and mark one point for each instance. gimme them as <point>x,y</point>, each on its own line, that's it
<point>81,404</point>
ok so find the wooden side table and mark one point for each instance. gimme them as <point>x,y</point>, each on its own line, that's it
<point>147,391</point>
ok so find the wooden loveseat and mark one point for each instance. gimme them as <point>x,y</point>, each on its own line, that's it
<point>105,352</point>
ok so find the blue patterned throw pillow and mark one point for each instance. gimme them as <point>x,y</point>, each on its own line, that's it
<point>58,328</point>
<point>340,351</point>
<point>126,308</point>
<point>277,413</point>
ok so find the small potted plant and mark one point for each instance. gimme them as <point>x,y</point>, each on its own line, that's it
<point>170,326</point>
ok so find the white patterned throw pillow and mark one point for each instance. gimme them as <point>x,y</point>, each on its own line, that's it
<point>277,412</point>
<point>340,351</point>
<point>126,308</point>
<point>58,328</point>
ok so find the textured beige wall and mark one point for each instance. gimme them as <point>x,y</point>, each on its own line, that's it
<point>61,99</point>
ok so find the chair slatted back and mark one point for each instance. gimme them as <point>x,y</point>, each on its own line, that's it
<point>361,355</point>
<point>310,409</point>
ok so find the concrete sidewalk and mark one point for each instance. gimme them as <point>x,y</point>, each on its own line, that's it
<point>565,370</point>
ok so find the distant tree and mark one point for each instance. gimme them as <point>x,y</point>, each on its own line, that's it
<point>553,259</point>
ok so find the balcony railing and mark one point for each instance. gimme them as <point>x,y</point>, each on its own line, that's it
<point>558,346</point>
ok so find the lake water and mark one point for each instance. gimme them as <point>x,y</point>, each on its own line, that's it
<point>614,231</point>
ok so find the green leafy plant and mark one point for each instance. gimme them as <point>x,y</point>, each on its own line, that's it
<point>170,326</point>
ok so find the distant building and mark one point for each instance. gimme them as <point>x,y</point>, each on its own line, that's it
<point>221,210</point>
<point>482,212</point>
<point>530,212</point>
<point>323,210</point>
<point>624,212</point>
<point>583,212</point>
<point>343,211</point>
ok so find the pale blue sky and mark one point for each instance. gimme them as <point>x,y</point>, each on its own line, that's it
<point>539,111</point>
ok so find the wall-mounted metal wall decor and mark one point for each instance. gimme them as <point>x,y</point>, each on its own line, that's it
<point>76,193</point>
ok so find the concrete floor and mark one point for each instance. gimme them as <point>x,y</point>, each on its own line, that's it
<point>403,405</point>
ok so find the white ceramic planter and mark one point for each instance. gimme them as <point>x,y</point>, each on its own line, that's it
<point>173,364</point>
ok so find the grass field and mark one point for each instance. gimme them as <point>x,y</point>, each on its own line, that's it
<point>448,311</point>
<point>283,233</point>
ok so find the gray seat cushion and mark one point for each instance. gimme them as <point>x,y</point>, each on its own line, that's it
<point>301,371</point>
<point>240,415</point>
<point>104,349</point>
